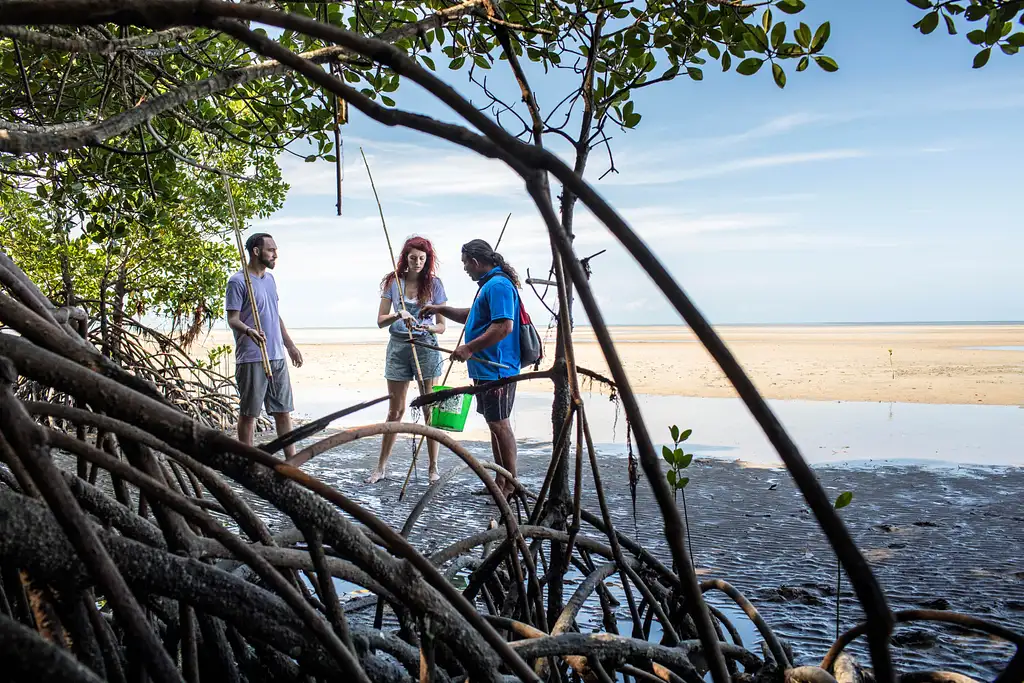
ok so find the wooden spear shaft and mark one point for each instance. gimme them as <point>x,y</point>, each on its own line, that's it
<point>398,282</point>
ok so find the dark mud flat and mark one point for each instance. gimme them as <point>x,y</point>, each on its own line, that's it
<point>937,538</point>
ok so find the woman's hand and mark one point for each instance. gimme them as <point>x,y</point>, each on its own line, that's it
<point>408,317</point>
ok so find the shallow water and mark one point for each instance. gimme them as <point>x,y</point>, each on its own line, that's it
<point>825,431</point>
<point>995,348</point>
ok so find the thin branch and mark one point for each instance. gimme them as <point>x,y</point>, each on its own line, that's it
<point>437,396</point>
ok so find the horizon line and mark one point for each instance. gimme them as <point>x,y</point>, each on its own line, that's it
<point>834,323</point>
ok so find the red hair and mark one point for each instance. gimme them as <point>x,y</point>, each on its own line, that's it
<point>426,275</point>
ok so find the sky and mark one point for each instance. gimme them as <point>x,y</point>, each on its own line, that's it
<point>879,193</point>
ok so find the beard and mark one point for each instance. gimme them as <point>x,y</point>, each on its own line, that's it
<point>267,262</point>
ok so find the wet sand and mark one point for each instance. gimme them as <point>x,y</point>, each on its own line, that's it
<point>931,363</point>
<point>949,538</point>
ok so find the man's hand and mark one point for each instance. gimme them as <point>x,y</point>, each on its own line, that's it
<point>462,353</point>
<point>295,355</point>
<point>427,310</point>
<point>255,335</point>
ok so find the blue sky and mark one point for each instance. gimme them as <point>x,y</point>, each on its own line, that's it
<point>882,192</point>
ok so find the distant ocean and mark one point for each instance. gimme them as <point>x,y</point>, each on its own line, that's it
<point>621,333</point>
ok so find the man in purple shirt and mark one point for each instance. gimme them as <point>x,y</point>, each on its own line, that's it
<point>255,390</point>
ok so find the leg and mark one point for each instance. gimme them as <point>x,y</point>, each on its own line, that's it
<point>278,402</point>
<point>432,446</point>
<point>283,423</point>
<point>246,428</point>
<point>496,452</point>
<point>501,433</point>
<point>396,409</point>
<point>252,388</point>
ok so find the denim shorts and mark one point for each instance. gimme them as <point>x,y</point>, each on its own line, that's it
<point>399,365</point>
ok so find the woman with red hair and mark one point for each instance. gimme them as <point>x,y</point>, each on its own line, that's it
<point>400,302</point>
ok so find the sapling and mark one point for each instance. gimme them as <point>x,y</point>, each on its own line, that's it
<point>679,461</point>
<point>891,367</point>
<point>844,499</point>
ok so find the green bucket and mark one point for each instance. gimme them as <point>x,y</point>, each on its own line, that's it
<point>450,414</point>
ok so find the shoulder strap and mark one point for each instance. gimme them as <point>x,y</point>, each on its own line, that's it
<point>503,274</point>
<point>524,317</point>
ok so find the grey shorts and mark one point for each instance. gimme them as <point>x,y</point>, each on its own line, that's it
<point>399,365</point>
<point>255,392</point>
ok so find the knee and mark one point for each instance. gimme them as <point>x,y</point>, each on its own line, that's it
<point>395,414</point>
<point>500,428</point>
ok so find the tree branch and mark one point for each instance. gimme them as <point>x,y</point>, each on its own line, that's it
<point>21,140</point>
<point>96,47</point>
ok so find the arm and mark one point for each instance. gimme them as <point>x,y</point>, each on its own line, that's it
<point>438,327</point>
<point>234,300</point>
<point>502,305</point>
<point>293,350</point>
<point>384,315</point>
<point>498,330</point>
<point>459,315</point>
<point>236,324</point>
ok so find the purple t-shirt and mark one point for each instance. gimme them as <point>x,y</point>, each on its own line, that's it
<point>437,296</point>
<point>264,289</point>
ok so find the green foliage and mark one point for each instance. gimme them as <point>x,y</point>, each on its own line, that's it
<point>92,234</point>
<point>842,500</point>
<point>128,227</point>
<point>995,20</point>
<point>214,355</point>
<point>677,459</point>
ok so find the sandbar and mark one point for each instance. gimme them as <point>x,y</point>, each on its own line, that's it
<point>943,364</point>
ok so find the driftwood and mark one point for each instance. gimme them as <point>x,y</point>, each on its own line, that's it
<point>170,575</point>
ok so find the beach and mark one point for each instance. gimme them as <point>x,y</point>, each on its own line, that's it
<point>937,364</point>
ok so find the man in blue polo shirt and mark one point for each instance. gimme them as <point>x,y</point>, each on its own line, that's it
<point>492,334</point>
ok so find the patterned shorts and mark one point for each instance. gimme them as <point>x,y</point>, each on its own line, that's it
<point>496,404</point>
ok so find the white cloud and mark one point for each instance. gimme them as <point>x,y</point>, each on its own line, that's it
<point>669,170</point>
<point>775,126</point>
<point>403,173</point>
<point>662,224</point>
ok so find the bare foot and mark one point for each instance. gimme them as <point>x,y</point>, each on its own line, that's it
<point>376,476</point>
<point>434,476</point>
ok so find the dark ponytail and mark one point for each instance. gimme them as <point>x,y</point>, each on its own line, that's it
<point>481,251</point>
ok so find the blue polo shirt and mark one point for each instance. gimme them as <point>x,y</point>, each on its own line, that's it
<point>497,300</point>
